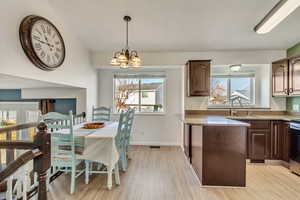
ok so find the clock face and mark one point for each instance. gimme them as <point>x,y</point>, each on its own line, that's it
<point>42,42</point>
<point>47,43</point>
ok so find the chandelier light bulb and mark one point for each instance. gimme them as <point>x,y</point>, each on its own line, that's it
<point>114,61</point>
<point>126,57</point>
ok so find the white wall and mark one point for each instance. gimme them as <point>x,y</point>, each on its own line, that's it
<point>101,59</point>
<point>57,93</point>
<point>154,59</point>
<point>76,70</point>
<point>167,129</point>
<point>155,129</point>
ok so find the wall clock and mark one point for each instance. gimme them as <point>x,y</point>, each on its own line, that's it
<point>42,42</point>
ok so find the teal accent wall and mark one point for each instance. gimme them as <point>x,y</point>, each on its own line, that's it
<point>13,95</point>
<point>293,51</point>
<point>60,105</point>
<point>65,105</point>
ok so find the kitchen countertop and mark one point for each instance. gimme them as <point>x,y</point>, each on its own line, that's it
<point>264,117</point>
<point>207,120</point>
<point>213,121</point>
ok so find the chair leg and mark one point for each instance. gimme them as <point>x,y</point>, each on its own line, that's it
<point>117,174</point>
<point>109,177</point>
<point>73,176</point>
<point>87,171</point>
<point>124,161</point>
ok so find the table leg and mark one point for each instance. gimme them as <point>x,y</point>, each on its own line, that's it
<point>87,171</point>
<point>117,174</point>
<point>109,177</point>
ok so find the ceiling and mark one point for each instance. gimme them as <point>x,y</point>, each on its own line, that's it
<point>14,82</point>
<point>177,25</point>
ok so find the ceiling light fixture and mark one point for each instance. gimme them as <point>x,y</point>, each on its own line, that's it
<point>235,68</point>
<point>126,57</point>
<point>278,13</point>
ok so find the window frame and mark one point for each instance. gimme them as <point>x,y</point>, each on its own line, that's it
<point>252,91</point>
<point>161,75</point>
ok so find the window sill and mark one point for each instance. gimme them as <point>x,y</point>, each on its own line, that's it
<point>145,114</point>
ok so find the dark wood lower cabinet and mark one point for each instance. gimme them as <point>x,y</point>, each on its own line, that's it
<point>219,154</point>
<point>276,140</point>
<point>187,141</point>
<point>286,142</point>
<point>268,140</point>
<point>257,144</point>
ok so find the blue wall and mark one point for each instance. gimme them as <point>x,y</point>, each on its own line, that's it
<point>60,105</point>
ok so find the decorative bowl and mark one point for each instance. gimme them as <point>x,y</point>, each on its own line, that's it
<point>94,125</point>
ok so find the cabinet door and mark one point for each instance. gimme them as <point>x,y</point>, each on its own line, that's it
<point>276,138</point>
<point>187,141</point>
<point>286,142</point>
<point>198,80</point>
<point>258,144</point>
<point>294,74</point>
<point>280,78</point>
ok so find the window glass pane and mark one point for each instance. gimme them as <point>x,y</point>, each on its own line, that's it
<point>241,91</point>
<point>219,91</point>
<point>126,93</point>
<point>152,94</point>
<point>145,93</point>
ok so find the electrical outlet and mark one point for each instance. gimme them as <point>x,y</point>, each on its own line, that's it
<point>296,107</point>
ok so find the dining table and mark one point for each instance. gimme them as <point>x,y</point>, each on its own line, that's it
<point>99,145</point>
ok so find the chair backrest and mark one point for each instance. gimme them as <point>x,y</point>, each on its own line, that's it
<point>62,137</point>
<point>80,118</point>
<point>101,114</point>
<point>122,128</point>
<point>130,116</point>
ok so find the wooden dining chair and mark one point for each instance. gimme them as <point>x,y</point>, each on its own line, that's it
<point>101,114</point>
<point>127,133</point>
<point>64,146</point>
<point>119,142</point>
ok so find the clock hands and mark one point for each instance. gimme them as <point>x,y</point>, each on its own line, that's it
<point>50,45</point>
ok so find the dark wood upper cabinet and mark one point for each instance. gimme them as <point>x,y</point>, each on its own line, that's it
<point>198,77</point>
<point>280,77</point>
<point>294,76</point>
<point>286,77</point>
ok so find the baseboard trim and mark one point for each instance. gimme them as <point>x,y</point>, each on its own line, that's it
<point>143,143</point>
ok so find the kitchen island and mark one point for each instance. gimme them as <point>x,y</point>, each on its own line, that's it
<point>216,148</point>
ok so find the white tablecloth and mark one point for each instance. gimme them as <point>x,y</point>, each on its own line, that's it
<point>99,144</point>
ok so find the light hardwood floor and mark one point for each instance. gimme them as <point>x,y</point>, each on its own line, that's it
<point>164,174</point>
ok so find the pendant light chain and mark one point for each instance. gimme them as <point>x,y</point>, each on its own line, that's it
<point>127,46</point>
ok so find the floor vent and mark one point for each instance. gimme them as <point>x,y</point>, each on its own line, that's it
<point>154,147</point>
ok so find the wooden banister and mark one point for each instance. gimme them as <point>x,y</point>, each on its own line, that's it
<point>42,163</point>
<point>17,145</point>
<point>19,162</point>
<point>39,153</point>
<point>18,127</point>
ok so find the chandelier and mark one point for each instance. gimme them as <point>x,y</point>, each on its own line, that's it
<point>126,58</point>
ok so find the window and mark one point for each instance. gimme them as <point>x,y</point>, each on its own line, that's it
<point>232,90</point>
<point>145,92</point>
